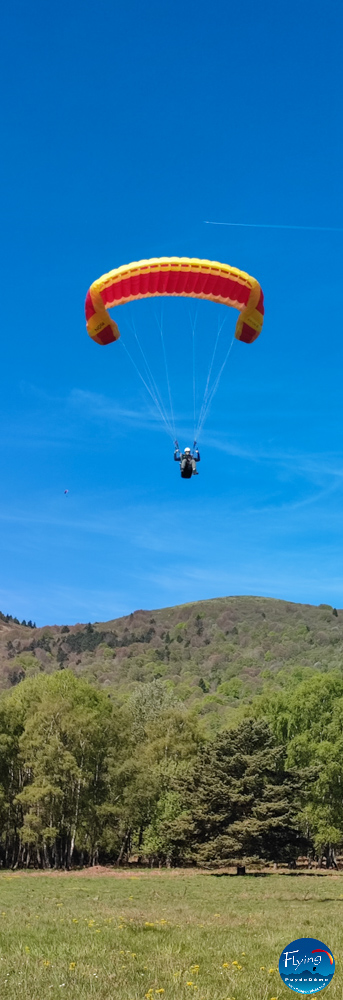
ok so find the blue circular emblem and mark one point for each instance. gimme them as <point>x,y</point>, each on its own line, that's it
<point>306,965</point>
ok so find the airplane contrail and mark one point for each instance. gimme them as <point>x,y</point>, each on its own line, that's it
<point>267,225</point>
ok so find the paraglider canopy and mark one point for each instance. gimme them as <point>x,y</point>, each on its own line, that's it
<point>185,276</point>
<point>188,277</point>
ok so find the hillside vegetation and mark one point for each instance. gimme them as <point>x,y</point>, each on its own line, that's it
<point>216,655</point>
<point>204,734</point>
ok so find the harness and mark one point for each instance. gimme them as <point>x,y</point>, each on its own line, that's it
<point>187,472</point>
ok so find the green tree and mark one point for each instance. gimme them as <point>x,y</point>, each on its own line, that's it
<point>242,800</point>
<point>62,750</point>
<point>308,717</point>
<point>161,743</point>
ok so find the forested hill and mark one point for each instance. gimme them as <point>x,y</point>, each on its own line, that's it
<point>206,733</point>
<point>215,654</point>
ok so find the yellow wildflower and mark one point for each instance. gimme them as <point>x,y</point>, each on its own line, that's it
<point>271,970</point>
<point>72,965</point>
<point>225,965</point>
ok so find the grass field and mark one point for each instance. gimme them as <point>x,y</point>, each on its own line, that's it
<point>171,935</point>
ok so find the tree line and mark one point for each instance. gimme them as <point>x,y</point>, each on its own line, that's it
<point>10,619</point>
<point>86,780</point>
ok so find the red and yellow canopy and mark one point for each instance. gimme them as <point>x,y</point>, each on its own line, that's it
<point>201,279</point>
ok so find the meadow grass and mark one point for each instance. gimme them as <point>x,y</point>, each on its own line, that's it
<point>172,935</point>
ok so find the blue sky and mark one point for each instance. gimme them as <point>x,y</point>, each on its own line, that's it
<point>127,126</point>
